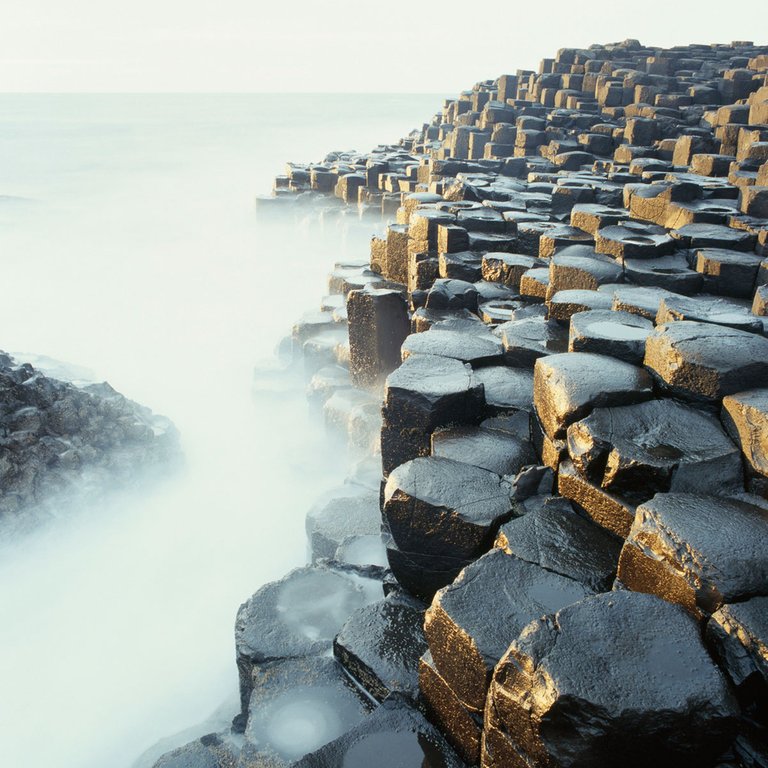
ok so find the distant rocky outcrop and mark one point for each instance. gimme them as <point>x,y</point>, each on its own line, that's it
<point>56,437</point>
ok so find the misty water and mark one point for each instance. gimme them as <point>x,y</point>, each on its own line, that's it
<point>131,253</point>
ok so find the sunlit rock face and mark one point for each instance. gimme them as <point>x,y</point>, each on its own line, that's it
<point>619,673</point>
<point>699,551</point>
<point>396,735</point>
<point>56,434</point>
<point>295,617</point>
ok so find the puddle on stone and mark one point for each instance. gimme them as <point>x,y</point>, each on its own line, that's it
<point>611,330</point>
<point>392,749</point>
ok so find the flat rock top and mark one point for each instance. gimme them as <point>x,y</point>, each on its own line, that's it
<point>553,536</point>
<point>610,325</point>
<point>624,652</point>
<point>470,344</point>
<point>719,542</point>
<point>430,375</point>
<point>474,493</point>
<point>298,615</point>
<point>711,346</point>
<point>657,432</point>
<point>506,386</point>
<point>498,595</point>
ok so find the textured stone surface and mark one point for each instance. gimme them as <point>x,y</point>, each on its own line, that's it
<point>635,451</point>
<point>380,646</point>
<point>745,416</point>
<point>566,387</point>
<point>699,551</point>
<point>296,616</point>
<point>619,673</point>
<point>553,536</point>
<point>490,449</point>
<point>701,361</point>
<point>616,334</point>
<point>441,507</point>
<point>470,623</point>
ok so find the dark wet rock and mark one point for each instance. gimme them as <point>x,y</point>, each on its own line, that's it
<point>508,268</point>
<point>57,437</point>
<point>669,272</point>
<point>728,273</point>
<point>701,361</point>
<point>380,646</point>
<point>423,319</point>
<point>562,237</point>
<point>698,551</point>
<point>491,449</point>
<point>553,536</point>
<point>299,615</point>
<point>424,393</point>
<point>634,240</point>
<point>471,623</point>
<point>452,294</point>
<point>462,726</point>
<point>378,325</point>
<point>475,345</point>
<point>441,507</point>
<point>695,236</point>
<point>618,673</point>
<point>604,508</point>
<point>569,270</point>
<point>568,386</point>
<point>745,416</point>
<point>643,301</point>
<point>616,334</point>
<point>423,574</point>
<point>506,389</point>
<point>738,633</point>
<point>465,265</point>
<point>708,310</point>
<point>395,735</point>
<point>635,451</point>
<point>350,511</point>
<point>760,303</point>
<point>298,706</point>
<point>526,340</point>
<point>564,304</point>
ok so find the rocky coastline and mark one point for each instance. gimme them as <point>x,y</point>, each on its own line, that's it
<point>63,439</point>
<point>554,370</point>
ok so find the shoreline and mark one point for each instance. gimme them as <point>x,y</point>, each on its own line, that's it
<point>565,334</point>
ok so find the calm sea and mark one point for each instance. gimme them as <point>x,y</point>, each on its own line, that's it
<point>130,249</point>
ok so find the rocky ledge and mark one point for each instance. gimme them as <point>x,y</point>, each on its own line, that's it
<point>556,363</point>
<point>56,438</point>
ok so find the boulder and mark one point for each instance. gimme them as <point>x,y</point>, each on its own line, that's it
<point>423,393</point>
<point>506,389</point>
<point>471,623</point>
<point>615,674</point>
<point>395,735</point>
<point>378,325</point>
<point>474,344</point>
<point>380,646</point>
<point>620,335</point>
<point>698,551</point>
<point>705,362</point>
<point>441,507</point>
<point>491,449</point>
<point>568,386</point>
<point>635,451</point>
<point>526,340</point>
<point>553,536</point>
<point>297,706</point>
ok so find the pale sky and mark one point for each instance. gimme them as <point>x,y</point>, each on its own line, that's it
<point>337,45</point>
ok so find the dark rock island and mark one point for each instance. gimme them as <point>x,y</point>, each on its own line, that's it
<point>555,366</point>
